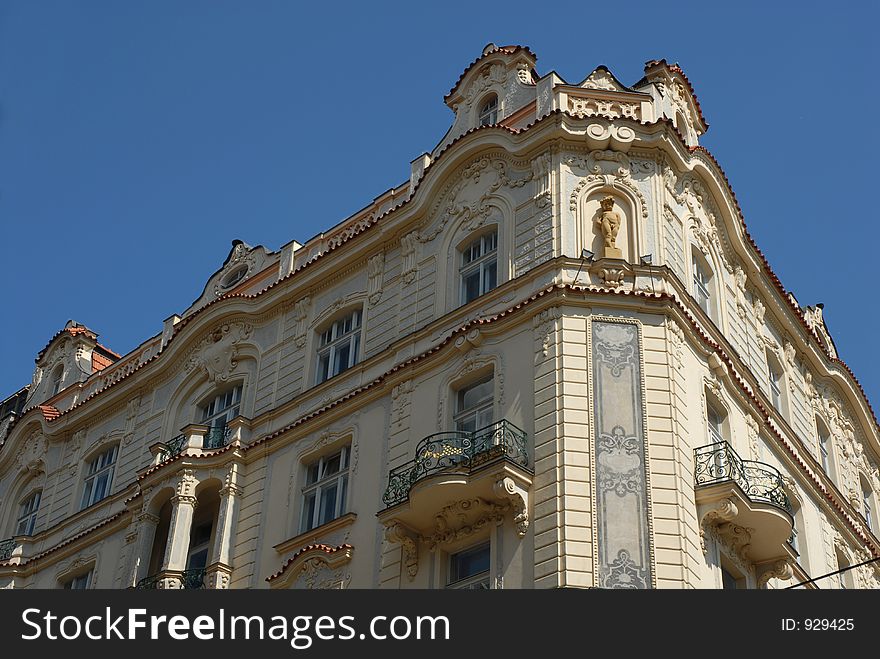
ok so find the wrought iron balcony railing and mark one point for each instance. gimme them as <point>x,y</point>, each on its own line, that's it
<point>463,450</point>
<point>6,548</point>
<point>216,437</point>
<point>718,463</point>
<point>190,580</point>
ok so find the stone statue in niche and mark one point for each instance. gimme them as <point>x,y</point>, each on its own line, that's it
<point>609,220</point>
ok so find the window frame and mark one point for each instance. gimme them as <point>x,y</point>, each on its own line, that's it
<point>224,413</point>
<point>88,577</point>
<point>28,516</point>
<point>488,110</point>
<point>310,520</point>
<point>477,410</point>
<point>337,337</point>
<point>867,503</point>
<point>477,581</point>
<point>88,495</point>
<point>701,279</point>
<point>716,431</point>
<point>485,260</point>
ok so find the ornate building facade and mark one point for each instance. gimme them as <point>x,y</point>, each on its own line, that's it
<point>552,358</point>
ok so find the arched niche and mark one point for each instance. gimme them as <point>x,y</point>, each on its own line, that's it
<point>627,240</point>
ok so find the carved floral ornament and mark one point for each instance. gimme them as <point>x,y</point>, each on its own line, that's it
<point>470,195</point>
<point>31,456</point>
<point>705,225</point>
<point>461,519</point>
<point>217,353</point>
<point>316,567</point>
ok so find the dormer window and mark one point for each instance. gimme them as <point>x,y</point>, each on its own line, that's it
<point>489,111</point>
<point>57,379</point>
<point>234,277</point>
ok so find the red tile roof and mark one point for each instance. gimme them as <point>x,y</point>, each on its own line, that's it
<point>327,549</point>
<point>73,329</point>
<point>50,413</point>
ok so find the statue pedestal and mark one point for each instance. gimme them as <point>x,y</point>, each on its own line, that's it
<point>612,253</point>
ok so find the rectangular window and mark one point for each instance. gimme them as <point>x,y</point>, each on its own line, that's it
<point>326,490</point>
<point>217,414</point>
<point>701,285</point>
<point>479,267</point>
<point>866,500</point>
<point>716,422</point>
<point>339,346</point>
<point>775,387</point>
<point>199,545</point>
<point>82,582</point>
<point>27,514</point>
<point>469,569</point>
<point>474,406</point>
<point>823,450</point>
<point>99,477</point>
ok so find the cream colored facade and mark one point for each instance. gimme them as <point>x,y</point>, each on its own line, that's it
<point>603,377</point>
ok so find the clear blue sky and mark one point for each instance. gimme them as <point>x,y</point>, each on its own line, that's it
<point>137,139</point>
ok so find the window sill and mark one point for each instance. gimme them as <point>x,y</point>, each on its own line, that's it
<point>312,536</point>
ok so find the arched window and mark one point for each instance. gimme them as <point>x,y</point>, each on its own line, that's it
<point>775,376</point>
<point>479,266</point>
<point>339,346</point>
<point>57,379</point>
<point>703,284</point>
<point>489,111</point>
<point>99,477</point>
<point>27,514</point>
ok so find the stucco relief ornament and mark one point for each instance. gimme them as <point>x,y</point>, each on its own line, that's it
<point>608,221</point>
<point>32,454</point>
<point>217,354</point>
<point>614,346</point>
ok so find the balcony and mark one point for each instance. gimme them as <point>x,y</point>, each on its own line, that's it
<point>6,548</point>
<point>204,437</point>
<point>188,580</point>
<point>457,452</point>
<point>745,501</point>
<point>457,481</point>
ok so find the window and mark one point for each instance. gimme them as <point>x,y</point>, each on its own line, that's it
<point>81,582</point>
<point>469,569</point>
<point>338,349</point>
<point>702,285</point>
<point>199,544</point>
<point>57,379</point>
<point>324,496</point>
<point>844,577</point>
<point>489,111</point>
<point>27,514</point>
<point>223,408</point>
<point>479,267</point>
<point>474,406</point>
<point>99,477</point>
<point>824,450</point>
<point>867,496</point>
<point>774,372</point>
<point>716,424</point>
